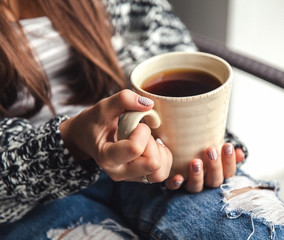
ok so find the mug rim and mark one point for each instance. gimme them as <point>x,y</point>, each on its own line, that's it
<point>213,92</point>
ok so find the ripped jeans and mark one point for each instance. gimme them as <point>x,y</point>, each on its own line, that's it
<point>109,210</point>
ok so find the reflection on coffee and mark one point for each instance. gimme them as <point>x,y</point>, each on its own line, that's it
<point>181,83</point>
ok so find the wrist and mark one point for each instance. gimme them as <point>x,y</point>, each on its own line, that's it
<point>70,135</point>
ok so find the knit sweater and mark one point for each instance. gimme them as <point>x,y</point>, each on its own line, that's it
<point>35,166</point>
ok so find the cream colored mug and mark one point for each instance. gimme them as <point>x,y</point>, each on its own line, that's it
<point>187,125</point>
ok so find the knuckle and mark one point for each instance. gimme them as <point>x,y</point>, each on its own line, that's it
<point>123,95</point>
<point>134,149</point>
<point>153,165</point>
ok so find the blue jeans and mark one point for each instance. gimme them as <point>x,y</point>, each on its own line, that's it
<point>108,210</point>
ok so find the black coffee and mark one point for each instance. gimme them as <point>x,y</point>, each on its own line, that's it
<point>181,83</point>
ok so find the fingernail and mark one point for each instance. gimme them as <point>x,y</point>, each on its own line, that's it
<point>177,183</point>
<point>158,140</point>
<point>145,101</point>
<point>212,154</point>
<point>228,149</point>
<point>196,167</point>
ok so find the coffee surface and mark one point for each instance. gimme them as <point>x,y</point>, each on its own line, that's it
<point>181,83</point>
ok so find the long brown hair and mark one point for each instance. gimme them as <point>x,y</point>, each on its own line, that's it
<point>85,26</point>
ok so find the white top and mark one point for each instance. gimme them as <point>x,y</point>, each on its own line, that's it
<point>55,55</point>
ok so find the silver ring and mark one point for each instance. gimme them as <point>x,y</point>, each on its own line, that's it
<point>145,180</point>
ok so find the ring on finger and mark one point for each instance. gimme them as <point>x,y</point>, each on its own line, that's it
<point>145,180</point>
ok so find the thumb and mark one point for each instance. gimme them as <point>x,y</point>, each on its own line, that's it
<point>127,100</point>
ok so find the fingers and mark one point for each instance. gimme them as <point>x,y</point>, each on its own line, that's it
<point>214,171</point>
<point>126,100</point>
<point>195,181</point>
<point>218,166</point>
<point>154,160</point>
<point>124,151</point>
<point>196,176</point>
<point>155,163</point>
<point>146,164</point>
<point>228,160</point>
<point>239,155</point>
<point>138,155</point>
<point>175,182</point>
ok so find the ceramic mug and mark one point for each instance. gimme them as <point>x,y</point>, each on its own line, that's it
<point>187,125</point>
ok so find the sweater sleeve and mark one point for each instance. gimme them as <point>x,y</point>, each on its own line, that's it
<point>144,28</point>
<point>35,167</point>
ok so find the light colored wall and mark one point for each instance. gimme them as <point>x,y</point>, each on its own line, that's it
<point>256,27</point>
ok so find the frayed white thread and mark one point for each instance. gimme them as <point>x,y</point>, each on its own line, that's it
<point>259,203</point>
<point>272,232</point>
<point>252,225</point>
<point>107,230</point>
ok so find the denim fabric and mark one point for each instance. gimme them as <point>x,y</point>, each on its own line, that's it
<point>149,210</point>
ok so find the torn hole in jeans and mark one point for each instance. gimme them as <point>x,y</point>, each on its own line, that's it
<point>106,230</point>
<point>259,200</point>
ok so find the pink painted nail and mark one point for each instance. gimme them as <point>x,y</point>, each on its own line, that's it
<point>212,154</point>
<point>196,167</point>
<point>228,149</point>
<point>145,101</point>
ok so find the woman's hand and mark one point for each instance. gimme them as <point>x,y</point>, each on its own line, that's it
<point>92,134</point>
<point>210,172</point>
